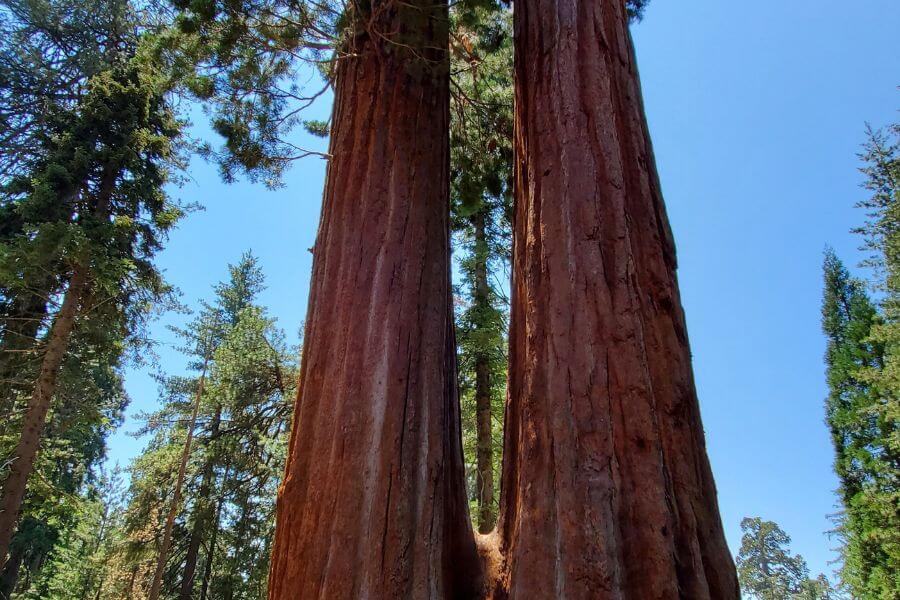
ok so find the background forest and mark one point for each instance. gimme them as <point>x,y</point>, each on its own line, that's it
<point>161,168</point>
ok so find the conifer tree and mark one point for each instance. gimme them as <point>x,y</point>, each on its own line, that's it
<point>863,409</point>
<point>481,195</point>
<point>769,571</point>
<point>78,568</point>
<point>106,161</point>
<point>223,523</point>
<point>766,567</point>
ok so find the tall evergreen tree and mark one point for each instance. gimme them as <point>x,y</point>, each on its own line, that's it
<point>88,407</point>
<point>766,567</point>
<point>481,195</point>
<point>863,407</point>
<point>769,571</point>
<point>224,520</point>
<point>107,161</point>
<point>49,50</point>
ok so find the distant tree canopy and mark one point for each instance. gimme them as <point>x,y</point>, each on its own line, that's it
<point>224,525</point>
<point>636,8</point>
<point>768,571</point>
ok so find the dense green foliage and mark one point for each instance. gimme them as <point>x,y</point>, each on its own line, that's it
<point>252,64</point>
<point>481,198</point>
<point>225,524</point>
<point>79,565</point>
<point>90,139</point>
<point>863,407</point>
<point>768,571</point>
<point>49,50</point>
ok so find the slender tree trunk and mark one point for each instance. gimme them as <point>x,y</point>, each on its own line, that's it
<point>156,585</point>
<point>19,344</point>
<point>89,580</point>
<point>36,413</point>
<point>211,553</point>
<point>10,575</point>
<point>54,352</point>
<point>484,443</point>
<point>101,583</point>
<point>607,489</point>
<point>132,580</point>
<point>373,503</point>
<point>201,520</point>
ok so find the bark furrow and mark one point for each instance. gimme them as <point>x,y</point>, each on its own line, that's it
<point>607,489</point>
<point>373,503</point>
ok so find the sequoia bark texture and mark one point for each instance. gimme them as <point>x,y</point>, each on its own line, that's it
<point>373,503</point>
<point>607,489</point>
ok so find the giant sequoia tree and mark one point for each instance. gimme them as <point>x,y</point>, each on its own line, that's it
<point>605,458</point>
<point>607,490</point>
<point>373,503</point>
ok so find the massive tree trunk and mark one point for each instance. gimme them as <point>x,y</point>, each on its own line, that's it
<point>484,443</point>
<point>607,489</point>
<point>373,503</point>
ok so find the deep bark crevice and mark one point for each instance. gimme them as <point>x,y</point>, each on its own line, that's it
<point>607,490</point>
<point>373,501</point>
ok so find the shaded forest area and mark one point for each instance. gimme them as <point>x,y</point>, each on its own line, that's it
<point>529,430</point>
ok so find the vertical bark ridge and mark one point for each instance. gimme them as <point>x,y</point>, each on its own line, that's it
<point>373,502</point>
<point>607,490</point>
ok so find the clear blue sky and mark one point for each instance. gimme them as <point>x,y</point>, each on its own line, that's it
<point>757,111</point>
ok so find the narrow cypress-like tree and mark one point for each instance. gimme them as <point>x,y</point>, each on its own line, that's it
<point>863,410</point>
<point>848,318</point>
<point>481,194</point>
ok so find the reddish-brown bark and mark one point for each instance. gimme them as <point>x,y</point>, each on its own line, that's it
<point>373,503</point>
<point>607,489</point>
<point>24,455</point>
